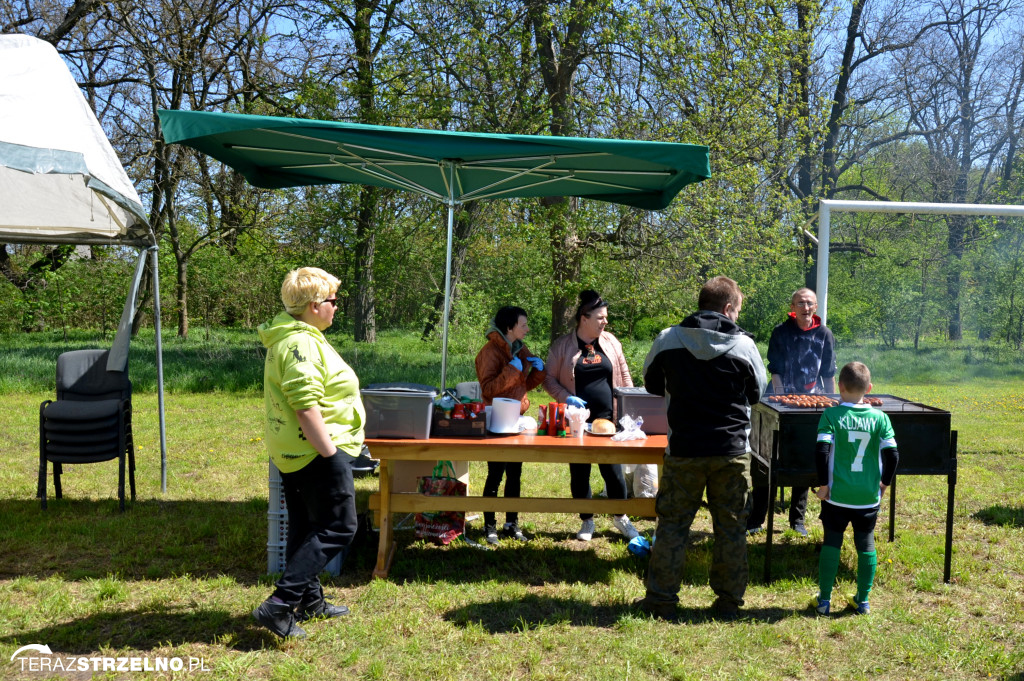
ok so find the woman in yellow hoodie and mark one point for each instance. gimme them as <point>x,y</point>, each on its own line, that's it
<point>314,433</point>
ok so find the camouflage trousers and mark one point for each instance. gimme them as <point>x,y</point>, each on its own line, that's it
<point>683,482</point>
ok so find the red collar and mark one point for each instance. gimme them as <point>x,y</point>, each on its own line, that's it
<point>815,321</point>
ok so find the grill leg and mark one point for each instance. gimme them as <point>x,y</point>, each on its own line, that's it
<point>770,524</point>
<point>892,510</point>
<point>951,484</point>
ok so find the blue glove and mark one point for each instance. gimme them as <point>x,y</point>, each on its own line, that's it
<point>574,401</point>
<point>536,363</point>
<point>517,363</point>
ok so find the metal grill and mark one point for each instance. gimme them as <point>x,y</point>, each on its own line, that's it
<point>783,439</point>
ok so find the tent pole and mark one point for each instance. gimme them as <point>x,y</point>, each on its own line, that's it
<point>447,279</point>
<point>159,368</point>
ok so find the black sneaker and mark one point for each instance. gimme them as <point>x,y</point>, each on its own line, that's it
<point>278,618</point>
<point>799,529</point>
<point>491,534</point>
<point>512,531</point>
<point>317,607</point>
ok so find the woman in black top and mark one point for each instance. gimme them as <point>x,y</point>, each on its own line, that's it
<point>583,369</point>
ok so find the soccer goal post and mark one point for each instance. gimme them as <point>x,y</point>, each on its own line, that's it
<point>826,206</point>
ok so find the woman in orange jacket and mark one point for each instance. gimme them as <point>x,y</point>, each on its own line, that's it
<point>506,368</point>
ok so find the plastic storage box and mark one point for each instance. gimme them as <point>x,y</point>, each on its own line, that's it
<point>639,402</point>
<point>398,412</point>
<point>277,529</point>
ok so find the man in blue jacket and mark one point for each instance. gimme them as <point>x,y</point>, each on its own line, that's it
<point>710,372</point>
<point>801,360</point>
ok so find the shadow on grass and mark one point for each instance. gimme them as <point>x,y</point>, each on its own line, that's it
<point>152,540</point>
<point>535,563</point>
<point>531,612</point>
<point>78,539</point>
<point>554,557</point>
<point>1005,516</point>
<point>148,629</point>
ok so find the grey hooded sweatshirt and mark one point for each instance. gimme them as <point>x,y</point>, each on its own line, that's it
<point>710,372</point>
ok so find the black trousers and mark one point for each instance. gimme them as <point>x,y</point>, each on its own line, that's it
<point>761,502</point>
<point>579,482</point>
<point>322,522</point>
<point>513,472</point>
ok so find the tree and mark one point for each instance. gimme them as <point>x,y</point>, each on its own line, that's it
<point>956,92</point>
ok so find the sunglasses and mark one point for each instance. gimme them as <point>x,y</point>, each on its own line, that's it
<point>332,301</point>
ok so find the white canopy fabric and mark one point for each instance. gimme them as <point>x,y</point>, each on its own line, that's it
<point>59,176</point>
<point>62,183</point>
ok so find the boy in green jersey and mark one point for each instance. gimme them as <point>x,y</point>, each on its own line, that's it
<point>856,459</point>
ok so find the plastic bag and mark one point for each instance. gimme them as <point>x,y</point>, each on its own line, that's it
<point>641,480</point>
<point>639,546</point>
<point>631,429</point>
<point>441,527</point>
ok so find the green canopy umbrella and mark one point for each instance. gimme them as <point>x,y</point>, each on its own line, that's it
<point>450,167</point>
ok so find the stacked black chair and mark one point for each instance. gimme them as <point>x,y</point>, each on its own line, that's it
<point>90,421</point>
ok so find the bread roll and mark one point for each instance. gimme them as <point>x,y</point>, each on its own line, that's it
<point>602,427</point>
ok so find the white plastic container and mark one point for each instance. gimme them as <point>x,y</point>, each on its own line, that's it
<point>277,529</point>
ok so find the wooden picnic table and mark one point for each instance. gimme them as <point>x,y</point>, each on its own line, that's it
<point>525,447</point>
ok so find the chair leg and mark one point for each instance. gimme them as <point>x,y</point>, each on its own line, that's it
<point>58,470</point>
<point>131,462</point>
<point>41,483</point>
<point>41,488</point>
<point>120,474</point>
<point>120,481</point>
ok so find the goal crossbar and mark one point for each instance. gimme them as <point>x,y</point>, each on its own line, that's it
<point>827,206</point>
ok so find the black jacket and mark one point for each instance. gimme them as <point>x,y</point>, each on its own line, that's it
<point>710,372</point>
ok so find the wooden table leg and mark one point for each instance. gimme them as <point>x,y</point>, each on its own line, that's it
<point>385,548</point>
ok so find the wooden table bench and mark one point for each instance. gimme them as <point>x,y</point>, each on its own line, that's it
<point>527,448</point>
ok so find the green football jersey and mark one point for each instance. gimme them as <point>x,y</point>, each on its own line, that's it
<point>857,434</point>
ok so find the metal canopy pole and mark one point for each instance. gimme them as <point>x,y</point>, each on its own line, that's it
<point>159,368</point>
<point>447,276</point>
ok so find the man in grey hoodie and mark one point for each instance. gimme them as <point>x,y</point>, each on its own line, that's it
<point>710,372</point>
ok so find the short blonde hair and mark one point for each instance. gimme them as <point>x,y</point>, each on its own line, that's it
<point>307,285</point>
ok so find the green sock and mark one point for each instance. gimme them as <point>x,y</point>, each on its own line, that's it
<point>867,563</point>
<point>828,568</point>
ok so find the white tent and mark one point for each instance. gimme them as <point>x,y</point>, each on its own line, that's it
<point>62,183</point>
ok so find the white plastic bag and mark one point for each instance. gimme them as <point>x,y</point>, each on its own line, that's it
<point>630,429</point>
<point>645,480</point>
<point>641,480</point>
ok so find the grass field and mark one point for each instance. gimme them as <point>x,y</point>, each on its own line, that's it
<point>178,574</point>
